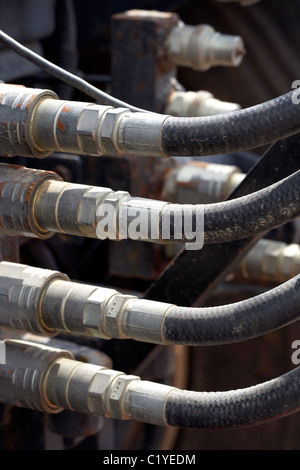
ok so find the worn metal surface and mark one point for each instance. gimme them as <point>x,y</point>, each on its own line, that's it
<point>9,249</point>
<point>22,377</point>
<point>18,106</point>
<point>139,40</point>
<point>18,188</point>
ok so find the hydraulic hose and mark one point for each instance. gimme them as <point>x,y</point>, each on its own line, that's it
<point>235,408</point>
<point>52,125</point>
<point>232,132</point>
<point>34,203</point>
<point>239,321</point>
<point>49,379</point>
<point>46,302</point>
<point>242,217</point>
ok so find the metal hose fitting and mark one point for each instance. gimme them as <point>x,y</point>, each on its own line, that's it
<point>201,47</point>
<point>18,113</point>
<point>18,189</point>
<point>197,103</point>
<point>49,379</point>
<point>36,123</point>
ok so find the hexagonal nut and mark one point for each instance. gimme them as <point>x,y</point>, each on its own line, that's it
<point>98,391</point>
<point>117,395</point>
<point>87,210</point>
<point>94,311</point>
<point>113,316</point>
<point>86,127</point>
<point>108,131</point>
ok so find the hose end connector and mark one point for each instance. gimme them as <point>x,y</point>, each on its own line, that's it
<point>201,47</point>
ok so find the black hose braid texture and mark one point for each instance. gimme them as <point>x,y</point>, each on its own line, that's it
<point>235,322</point>
<point>253,214</point>
<point>250,406</point>
<point>240,130</point>
<point>239,218</point>
<point>243,217</point>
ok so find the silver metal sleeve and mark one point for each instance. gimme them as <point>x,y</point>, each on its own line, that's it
<point>142,213</point>
<point>140,134</point>
<point>21,295</point>
<point>145,401</point>
<point>22,378</point>
<point>142,320</point>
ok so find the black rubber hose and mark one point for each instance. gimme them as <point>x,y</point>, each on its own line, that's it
<point>235,322</point>
<point>212,135</point>
<point>239,218</point>
<point>232,132</point>
<point>250,406</point>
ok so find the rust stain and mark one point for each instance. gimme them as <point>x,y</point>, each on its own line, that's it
<point>67,109</point>
<point>2,186</point>
<point>14,167</point>
<point>61,125</point>
<point>29,191</point>
<point>30,102</point>
<point>141,86</point>
<point>188,184</point>
<point>199,164</point>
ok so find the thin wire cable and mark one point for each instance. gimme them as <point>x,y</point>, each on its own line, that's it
<point>79,83</point>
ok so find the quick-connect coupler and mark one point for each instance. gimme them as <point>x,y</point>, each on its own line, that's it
<point>48,379</point>
<point>38,203</point>
<point>197,103</point>
<point>46,302</point>
<point>201,47</point>
<point>36,123</point>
